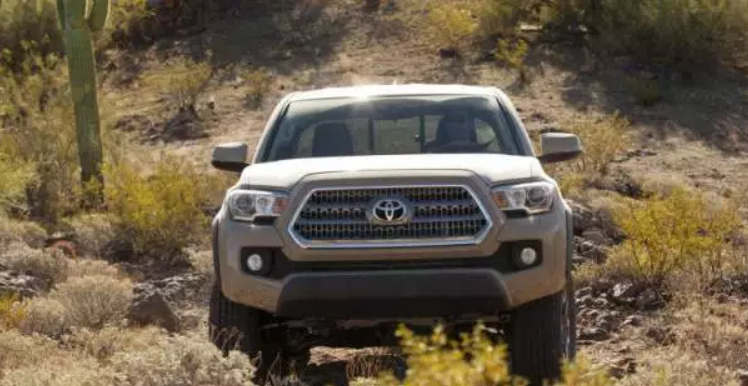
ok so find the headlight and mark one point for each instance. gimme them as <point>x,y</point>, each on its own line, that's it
<point>533,197</point>
<point>246,205</point>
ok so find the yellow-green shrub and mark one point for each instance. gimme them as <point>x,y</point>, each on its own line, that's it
<point>12,312</point>
<point>603,139</point>
<point>180,80</point>
<point>160,212</point>
<point>474,360</point>
<point>680,233</point>
<point>512,54</point>
<point>450,25</point>
<point>25,21</point>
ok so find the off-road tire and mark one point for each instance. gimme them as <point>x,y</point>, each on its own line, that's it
<point>234,326</point>
<point>540,334</point>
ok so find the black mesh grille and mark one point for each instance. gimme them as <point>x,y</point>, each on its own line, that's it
<point>435,212</point>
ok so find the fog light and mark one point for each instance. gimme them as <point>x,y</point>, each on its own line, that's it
<point>254,262</point>
<point>528,256</point>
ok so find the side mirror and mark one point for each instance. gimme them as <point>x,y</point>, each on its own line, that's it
<point>559,147</point>
<point>230,157</point>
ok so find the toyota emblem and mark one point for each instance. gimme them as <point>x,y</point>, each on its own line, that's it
<point>390,211</point>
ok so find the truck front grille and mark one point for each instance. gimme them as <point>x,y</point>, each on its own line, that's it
<point>432,215</point>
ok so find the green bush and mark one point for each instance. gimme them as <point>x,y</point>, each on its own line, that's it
<point>451,26</point>
<point>162,211</point>
<point>28,25</point>
<point>680,234</point>
<point>674,33</point>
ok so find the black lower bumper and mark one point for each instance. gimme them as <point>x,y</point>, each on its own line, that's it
<point>400,294</point>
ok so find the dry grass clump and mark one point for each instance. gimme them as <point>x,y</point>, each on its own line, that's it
<point>45,316</point>
<point>89,267</point>
<point>26,232</point>
<point>17,350</point>
<point>451,25</point>
<point>673,366</point>
<point>181,81</point>
<point>50,266</point>
<point>93,233</point>
<point>94,301</point>
<point>181,360</point>
<point>102,344</point>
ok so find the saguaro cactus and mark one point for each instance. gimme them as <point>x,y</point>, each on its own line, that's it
<point>77,21</point>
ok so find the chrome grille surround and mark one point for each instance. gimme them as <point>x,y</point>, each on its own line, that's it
<point>442,215</point>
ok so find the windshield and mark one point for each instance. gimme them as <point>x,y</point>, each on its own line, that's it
<point>391,125</point>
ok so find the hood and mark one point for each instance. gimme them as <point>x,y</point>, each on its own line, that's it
<point>492,168</point>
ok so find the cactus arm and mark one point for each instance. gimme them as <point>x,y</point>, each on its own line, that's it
<point>75,13</point>
<point>61,14</point>
<point>98,16</point>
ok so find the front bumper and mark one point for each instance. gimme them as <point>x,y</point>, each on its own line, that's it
<point>479,287</point>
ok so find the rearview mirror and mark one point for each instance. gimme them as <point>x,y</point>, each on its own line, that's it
<point>559,147</point>
<point>230,157</point>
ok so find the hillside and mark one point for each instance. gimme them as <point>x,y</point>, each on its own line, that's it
<point>664,178</point>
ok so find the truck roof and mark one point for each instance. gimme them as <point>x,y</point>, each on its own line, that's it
<point>391,90</point>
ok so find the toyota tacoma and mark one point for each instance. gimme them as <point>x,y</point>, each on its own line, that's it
<point>369,206</point>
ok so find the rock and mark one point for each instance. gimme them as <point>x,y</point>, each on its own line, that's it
<point>590,250</point>
<point>597,237</point>
<point>448,53</point>
<point>742,377</point>
<point>150,307</point>
<point>601,303</point>
<point>583,217</point>
<point>577,260</point>
<point>594,334</point>
<point>16,283</point>
<point>586,301</point>
<point>585,291</point>
<point>633,320</point>
<point>625,293</point>
<point>175,288</point>
<point>604,321</point>
<point>602,285</point>
<point>649,300</point>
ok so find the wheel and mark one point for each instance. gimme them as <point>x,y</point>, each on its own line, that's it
<point>541,334</point>
<point>234,326</point>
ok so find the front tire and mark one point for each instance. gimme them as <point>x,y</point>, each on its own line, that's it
<point>541,334</point>
<point>235,326</point>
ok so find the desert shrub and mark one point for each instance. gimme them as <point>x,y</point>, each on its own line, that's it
<point>12,311</point>
<point>681,233</point>
<point>102,344</point>
<point>88,267</point>
<point>94,301</point>
<point>93,232</point>
<point>181,81</point>
<point>503,17</point>
<point>646,92</point>
<point>258,83</point>
<point>45,316</point>
<point>181,360</point>
<point>36,115</point>
<point>28,22</point>
<point>26,232</point>
<point>603,139</point>
<point>512,54</point>
<point>81,371</point>
<point>160,212</point>
<point>127,21</point>
<point>17,350</point>
<point>450,25</point>
<point>50,266</point>
<point>15,177</point>
<point>473,360</point>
